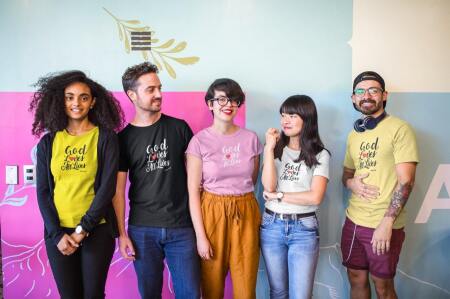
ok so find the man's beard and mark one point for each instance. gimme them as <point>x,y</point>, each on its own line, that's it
<point>151,107</point>
<point>371,111</point>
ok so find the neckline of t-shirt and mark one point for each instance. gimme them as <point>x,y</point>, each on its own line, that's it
<point>91,131</point>
<point>387,117</point>
<point>215,133</point>
<point>291,150</point>
<point>155,124</point>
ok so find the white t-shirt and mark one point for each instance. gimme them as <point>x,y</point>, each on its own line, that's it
<point>297,177</point>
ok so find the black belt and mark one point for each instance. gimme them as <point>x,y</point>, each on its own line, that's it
<point>289,216</point>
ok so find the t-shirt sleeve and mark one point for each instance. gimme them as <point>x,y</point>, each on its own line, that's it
<point>257,146</point>
<point>405,145</point>
<point>348,161</point>
<point>187,135</point>
<point>322,169</point>
<point>123,161</point>
<point>194,147</point>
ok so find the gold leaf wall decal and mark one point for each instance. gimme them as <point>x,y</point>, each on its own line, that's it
<point>165,45</point>
<point>143,40</point>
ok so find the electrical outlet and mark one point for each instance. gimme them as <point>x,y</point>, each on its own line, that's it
<point>12,175</point>
<point>29,174</point>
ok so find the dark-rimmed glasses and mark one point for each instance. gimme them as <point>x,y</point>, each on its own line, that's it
<point>223,101</point>
<point>373,91</point>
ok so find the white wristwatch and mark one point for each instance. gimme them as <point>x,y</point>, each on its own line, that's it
<point>280,196</point>
<point>79,229</point>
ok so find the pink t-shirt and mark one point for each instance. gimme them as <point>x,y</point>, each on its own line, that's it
<point>228,160</point>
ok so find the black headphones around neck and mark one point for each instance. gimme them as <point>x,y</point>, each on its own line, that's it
<point>368,122</point>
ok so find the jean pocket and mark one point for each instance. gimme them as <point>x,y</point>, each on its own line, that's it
<point>310,223</point>
<point>267,219</point>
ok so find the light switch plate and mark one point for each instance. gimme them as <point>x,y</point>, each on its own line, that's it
<point>12,175</point>
<point>29,174</point>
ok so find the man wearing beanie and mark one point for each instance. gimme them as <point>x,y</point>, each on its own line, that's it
<point>379,169</point>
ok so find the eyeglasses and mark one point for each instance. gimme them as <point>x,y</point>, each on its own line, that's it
<point>373,91</point>
<point>223,101</point>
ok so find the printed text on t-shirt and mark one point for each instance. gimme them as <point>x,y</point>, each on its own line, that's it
<point>367,154</point>
<point>74,158</point>
<point>290,172</point>
<point>157,157</point>
<point>231,155</point>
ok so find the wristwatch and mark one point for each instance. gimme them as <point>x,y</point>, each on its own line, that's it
<point>79,229</point>
<point>280,196</point>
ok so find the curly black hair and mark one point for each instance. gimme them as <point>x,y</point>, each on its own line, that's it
<point>48,103</point>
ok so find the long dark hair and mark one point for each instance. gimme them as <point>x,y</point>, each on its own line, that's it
<point>48,103</point>
<point>310,143</point>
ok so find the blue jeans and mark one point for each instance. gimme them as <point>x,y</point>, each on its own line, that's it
<point>179,247</point>
<point>290,249</point>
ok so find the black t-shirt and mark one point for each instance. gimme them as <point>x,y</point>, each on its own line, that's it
<point>154,157</point>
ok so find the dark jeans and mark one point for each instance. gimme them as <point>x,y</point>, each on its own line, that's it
<point>83,274</point>
<point>178,246</point>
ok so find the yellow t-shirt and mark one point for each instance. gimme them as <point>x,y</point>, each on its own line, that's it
<point>377,152</point>
<point>74,167</point>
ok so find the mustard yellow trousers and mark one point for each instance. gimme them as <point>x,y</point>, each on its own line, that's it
<point>232,227</point>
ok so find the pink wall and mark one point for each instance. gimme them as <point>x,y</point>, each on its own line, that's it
<point>25,264</point>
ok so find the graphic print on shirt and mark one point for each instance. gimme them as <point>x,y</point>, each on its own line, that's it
<point>74,158</point>
<point>290,172</point>
<point>157,157</point>
<point>231,155</point>
<point>367,155</point>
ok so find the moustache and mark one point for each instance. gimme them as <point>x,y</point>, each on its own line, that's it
<point>367,101</point>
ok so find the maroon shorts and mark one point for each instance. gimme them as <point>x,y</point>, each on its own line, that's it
<point>357,251</point>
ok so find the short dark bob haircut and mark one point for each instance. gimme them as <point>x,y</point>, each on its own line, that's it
<point>231,88</point>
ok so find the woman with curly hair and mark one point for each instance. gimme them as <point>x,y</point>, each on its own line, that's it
<point>77,162</point>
